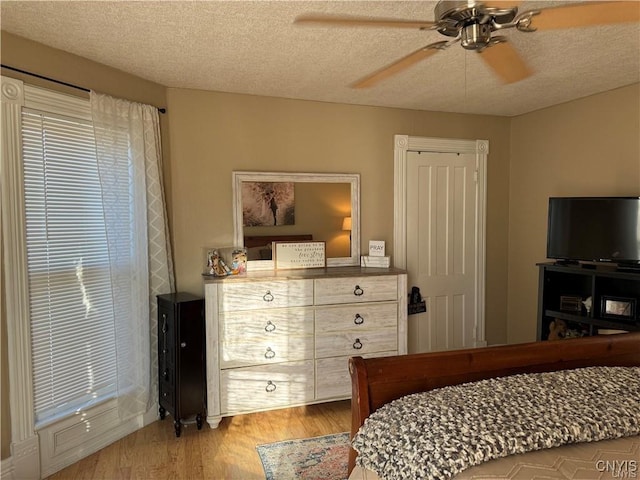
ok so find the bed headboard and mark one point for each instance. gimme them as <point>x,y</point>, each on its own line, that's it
<point>376,381</point>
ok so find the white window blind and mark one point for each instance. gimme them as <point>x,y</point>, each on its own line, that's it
<point>72,315</point>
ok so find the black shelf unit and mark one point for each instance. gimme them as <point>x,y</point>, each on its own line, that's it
<point>181,358</point>
<point>584,281</point>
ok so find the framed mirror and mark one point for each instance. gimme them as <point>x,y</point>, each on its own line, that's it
<point>276,206</point>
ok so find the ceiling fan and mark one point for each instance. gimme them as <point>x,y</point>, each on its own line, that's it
<point>472,23</point>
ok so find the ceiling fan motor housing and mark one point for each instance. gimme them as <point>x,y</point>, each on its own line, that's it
<point>472,20</point>
<point>475,36</point>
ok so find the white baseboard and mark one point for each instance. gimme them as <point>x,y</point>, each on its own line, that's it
<point>6,469</point>
<point>25,458</point>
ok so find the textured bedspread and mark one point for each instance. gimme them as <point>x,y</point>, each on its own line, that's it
<point>436,434</point>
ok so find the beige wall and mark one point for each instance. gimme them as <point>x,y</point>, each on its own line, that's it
<point>34,57</point>
<point>213,134</point>
<point>586,147</point>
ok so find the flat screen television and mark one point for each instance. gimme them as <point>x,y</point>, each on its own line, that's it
<point>600,229</point>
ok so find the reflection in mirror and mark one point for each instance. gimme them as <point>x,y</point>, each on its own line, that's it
<point>321,207</point>
<point>320,210</point>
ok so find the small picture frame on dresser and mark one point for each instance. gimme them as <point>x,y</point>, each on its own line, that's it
<point>221,262</point>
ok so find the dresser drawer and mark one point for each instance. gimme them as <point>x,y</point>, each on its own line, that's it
<point>167,396</point>
<point>356,318</point>
<point>166,337</point>
<point>264,387</point>
<point>236,296</point>
<point>334,344</point>
<point>166,353</point>
<point>330,291</point>
<point>167,374</point>
<point>266,336</point>
<point>332,376</point>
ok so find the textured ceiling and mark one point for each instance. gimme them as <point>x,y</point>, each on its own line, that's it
<point>254,48</point>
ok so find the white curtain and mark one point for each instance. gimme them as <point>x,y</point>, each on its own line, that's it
<point>129,164</point>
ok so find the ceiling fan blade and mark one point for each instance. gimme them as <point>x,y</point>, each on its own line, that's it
<point>506,62</point>
<point>399,65</point>
<point>365,22</point>
<point>586,14</point>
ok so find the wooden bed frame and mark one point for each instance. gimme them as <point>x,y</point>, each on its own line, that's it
<point>376,381</point>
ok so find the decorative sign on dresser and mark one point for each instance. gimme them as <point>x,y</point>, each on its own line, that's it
<point>299,254</point>
<point>282,338</point>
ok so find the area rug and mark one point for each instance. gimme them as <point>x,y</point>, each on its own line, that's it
<point>318,458</point>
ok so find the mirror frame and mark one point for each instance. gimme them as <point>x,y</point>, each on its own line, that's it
<point>351,178</point>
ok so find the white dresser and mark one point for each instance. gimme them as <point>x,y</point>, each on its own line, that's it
<point>282,338</point>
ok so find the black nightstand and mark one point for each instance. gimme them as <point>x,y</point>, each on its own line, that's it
<point>181,358</point>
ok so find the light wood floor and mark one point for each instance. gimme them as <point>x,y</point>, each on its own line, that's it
<point>228,452</point>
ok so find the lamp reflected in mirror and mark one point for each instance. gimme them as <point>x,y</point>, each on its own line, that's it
<point>346,225</point>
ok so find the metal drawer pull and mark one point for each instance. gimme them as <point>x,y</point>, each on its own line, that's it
<point>358,320</point>
<point>271,387</point>
<point>268,297</point>
<point>269,327</point>
<point>358,291</point>
<point>183,344</point>
<point>357,344</point>
<point>269,353</point>
<point>165,374</point>
<point>164,323</point>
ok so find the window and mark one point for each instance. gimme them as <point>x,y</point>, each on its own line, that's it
<point>80,179</point>
<point>70,300</point>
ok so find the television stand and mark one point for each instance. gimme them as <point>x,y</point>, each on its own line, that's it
<point>564,289</point>
<point>608,266</point>
<point>629,268</point>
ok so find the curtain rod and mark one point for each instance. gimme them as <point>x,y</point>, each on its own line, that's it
<point>60,82</point>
